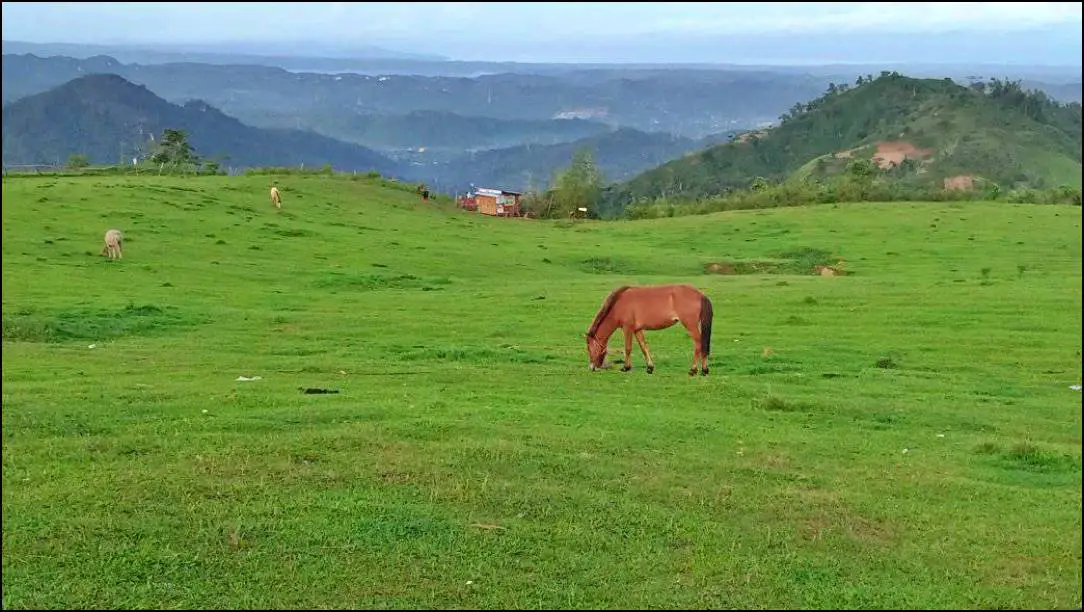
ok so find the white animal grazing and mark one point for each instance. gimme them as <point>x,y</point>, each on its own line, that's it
<point>114,241</point>
<point>276,199</point>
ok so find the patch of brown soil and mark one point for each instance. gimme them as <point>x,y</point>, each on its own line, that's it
<point>744,267</point>
<point>747,136</point>
<point>849,153</point>
<point>891,154</point>
<point>817,514</point>
<point>720,268</point>
<point>964,182</point>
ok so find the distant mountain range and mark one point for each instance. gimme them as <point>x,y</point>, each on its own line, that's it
<point>690,103</point>
<point>330,58</point>
<point>220,53</point>
<point>442,133</point>
<point>654,131</point>
<point>111,120</point>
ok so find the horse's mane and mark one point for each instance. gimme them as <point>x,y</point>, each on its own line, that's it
<point>607,306</point>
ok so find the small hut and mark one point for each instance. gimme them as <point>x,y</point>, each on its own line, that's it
<point>497,202</point>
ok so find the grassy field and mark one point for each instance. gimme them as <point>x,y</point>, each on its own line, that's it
<point>910,440</point>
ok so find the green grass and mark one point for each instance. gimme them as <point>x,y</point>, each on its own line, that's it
<point>910,441</point>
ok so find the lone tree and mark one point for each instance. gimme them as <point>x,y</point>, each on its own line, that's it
<point>578,186</point>
<point>78,160</point>
<point>174,150</point>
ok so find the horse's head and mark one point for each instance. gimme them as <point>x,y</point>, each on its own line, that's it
<point>596,353</point>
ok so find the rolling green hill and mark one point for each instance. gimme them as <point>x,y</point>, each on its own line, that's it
<point>901,437</point>
<point>921,131</point>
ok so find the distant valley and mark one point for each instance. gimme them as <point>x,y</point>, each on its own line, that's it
<point>450,132</point>
<point>690,103</point>
<point>509,129</point>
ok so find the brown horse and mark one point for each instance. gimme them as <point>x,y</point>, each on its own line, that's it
<point>114,242</point>
<point>635,309</point>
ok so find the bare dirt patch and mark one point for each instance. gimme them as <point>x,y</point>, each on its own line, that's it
<point>803,260</point>
<point>890,154</point>
<point>836,270</point>
<point>720,267</point>
<point>818,514</point>
<point>754,134</point>
<point>745,267</point>
<point>963,182</point>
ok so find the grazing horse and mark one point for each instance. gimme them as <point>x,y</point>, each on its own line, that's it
<point>114,240</point>
<point>276,199</point>
<point>635,309</point>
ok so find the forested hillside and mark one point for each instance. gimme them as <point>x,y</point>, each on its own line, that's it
<point>924,130</point>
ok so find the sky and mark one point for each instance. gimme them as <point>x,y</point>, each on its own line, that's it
<point>734,32</point>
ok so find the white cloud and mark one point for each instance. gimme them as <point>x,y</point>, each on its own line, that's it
<point>507,25</point>
<point>880,16</point>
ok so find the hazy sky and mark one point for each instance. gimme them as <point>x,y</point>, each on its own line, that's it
<point>587,31</point>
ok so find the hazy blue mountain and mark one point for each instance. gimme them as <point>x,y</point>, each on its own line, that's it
<point>112,120</point>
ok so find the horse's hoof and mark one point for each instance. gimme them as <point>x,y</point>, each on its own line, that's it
<point>650,369</point>
<point>704,372</point>
<point>626,368</point>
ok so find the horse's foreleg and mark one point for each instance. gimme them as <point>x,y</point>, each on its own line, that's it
<point>628,351</point>
<point>647,354</point>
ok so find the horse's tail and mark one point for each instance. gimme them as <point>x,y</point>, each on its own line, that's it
<point>706,315</point>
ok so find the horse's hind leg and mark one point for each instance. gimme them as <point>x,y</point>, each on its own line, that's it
<point>694,332</point>
<point>697,358</point>
<point>628,351</point>
<point>647,355</point>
